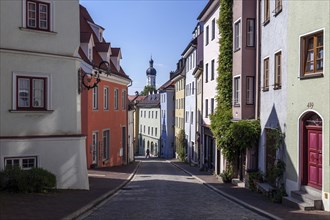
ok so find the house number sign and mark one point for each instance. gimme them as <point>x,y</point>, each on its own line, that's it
<point>310,105</point>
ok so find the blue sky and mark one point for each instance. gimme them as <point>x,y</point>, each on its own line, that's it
<point>159,28</point>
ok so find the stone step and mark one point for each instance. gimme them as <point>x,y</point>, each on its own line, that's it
<point>308,198</point>
<point>238,182</point>
<point>295,203</point>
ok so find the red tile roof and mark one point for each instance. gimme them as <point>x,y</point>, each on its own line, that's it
<point>102,47</point>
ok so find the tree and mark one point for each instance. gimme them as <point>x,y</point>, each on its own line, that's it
<point>147,90</point>
<point>180,145</point>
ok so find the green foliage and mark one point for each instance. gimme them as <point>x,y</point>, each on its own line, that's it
<point>275,138</point>
<point>221,119</point>
<point>275,174</point>
<point>14,179</point>
<point>147,90</point>
<point>246,133</point>
<point>254,178</point>
<point>180,146</point>
<point>227,175</point>
<point>279,193</point>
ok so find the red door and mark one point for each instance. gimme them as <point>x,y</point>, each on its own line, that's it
<point>314,156</point>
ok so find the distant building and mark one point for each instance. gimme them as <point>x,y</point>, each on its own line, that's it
<point>149,124</point>
<point>167,113</point>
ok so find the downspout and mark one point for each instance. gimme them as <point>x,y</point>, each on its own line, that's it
<point>258,58</point>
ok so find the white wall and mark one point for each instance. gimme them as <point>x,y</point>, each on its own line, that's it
<point>65,157</point>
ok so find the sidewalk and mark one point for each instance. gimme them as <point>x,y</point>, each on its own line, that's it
<point>66,204</point>
<point>251,200</point>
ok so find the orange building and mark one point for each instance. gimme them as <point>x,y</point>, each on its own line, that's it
<point>103,107</point>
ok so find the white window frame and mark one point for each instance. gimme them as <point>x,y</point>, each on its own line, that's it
<point>237,34</point>
<point>106,98</point>
<point>106,144</point>
<point>250,34</point>
<point>21,160</point>
<point>116,107</point>
<point>237,90</point>
<point>95,98</point>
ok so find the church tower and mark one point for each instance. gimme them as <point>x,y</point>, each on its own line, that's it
<point>151,74</point>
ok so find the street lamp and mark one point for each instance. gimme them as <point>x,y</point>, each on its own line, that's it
<point>91,81</point>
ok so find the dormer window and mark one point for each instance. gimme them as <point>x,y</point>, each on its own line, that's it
<point>100,36</point>
<point>37,15</point>
<point>90,53</point>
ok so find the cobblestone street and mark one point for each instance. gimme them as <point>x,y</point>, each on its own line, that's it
<point>161,191</point>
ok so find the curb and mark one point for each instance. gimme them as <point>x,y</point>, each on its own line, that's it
<point>100,199</point>
<point>232,198</point>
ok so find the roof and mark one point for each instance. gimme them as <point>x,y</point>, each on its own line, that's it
<point>206,8</point>
<point>102,47</point>
<point>86,32</point>
<point>150,101</point>
<point>166,85</point>
<point>192,43</point>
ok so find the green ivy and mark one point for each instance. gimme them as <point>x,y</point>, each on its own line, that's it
<point>221,119</point>
<point>232,137</point>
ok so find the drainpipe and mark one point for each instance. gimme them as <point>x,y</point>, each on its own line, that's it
<point>258,58</point>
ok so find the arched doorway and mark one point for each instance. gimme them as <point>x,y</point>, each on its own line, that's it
<point>311,150</point>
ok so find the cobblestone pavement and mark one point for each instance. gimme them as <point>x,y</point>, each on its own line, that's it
<point>161,191</point>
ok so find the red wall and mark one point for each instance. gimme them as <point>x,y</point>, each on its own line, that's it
<point>98,120</point>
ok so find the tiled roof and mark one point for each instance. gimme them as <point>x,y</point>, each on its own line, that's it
<point>151,101</point>
<point>85,37</point>
<point>115,51</point>
<point>102,47</point>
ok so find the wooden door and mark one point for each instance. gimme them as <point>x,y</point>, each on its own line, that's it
<point>314,141</point>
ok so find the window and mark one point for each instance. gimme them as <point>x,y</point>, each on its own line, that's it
<point>237,36</point>
<point>144,129</point>
<point>152,114</point>
<point>94,150</point>
<point>206,72</point>
<point>212,70</point>
<point>123,99</point>
<point>116,99</point>
<point>191,117</point>
<point>212,105</point>
<point>106,99</point>
<point>140,128</point>
<point>141,114</point>
<point>187,116</point>
<point>206,108</point>
<point>157,114</point>
<point>144,113</point>
<point>207,35</point>
<point>278,71</point>
<point>250,32</point>
<point>106,144</point>
<point>152,131</point>
<point>37,15</point>
<point>213,29</point>
<point>278,7</point>
<point>31,93</point>
<point>90,53</point>
<point>25,163</point>
<point>249,90</point>
<point>237,91</point>
<point>312,54</point>
<point>193,88</point>
<point>155,131</point>
<point>266,75</point>
<point>148,114</point>
<point>148,130</point>
<point>266,12</point>
<point>95,98</point>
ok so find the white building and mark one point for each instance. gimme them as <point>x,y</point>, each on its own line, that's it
<point>149,125</point>
<point>40,122</point>
<point>209,17</point>
<point>189,54</point>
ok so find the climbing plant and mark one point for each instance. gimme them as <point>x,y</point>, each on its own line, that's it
<point>221,119</point>
<point>180,146</point>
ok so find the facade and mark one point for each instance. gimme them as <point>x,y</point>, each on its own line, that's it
<point>209,17</point>
<point>244,74</point>
<point>40,103</point>
<point>104,107</point>
<point>273,75</point>
<point>308,114</point>
<point>198,75</point>
<point>178,78</point>
<point>149,125</point>
<point>167,113</point>
<point>189,54</point>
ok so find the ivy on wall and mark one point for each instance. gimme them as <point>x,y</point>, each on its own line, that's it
<point>221,119</point>
<point>232,137</point>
